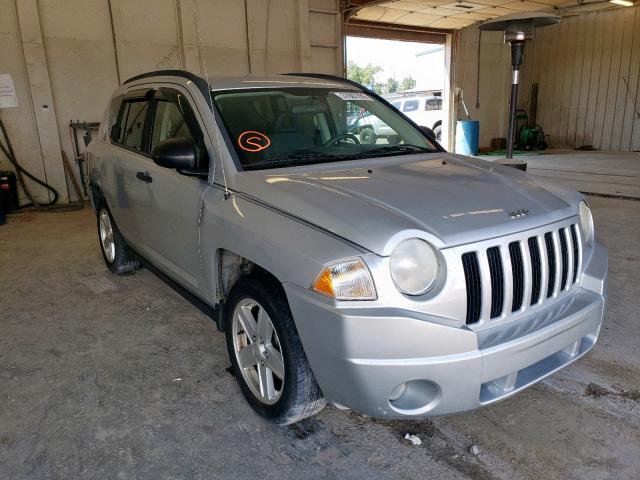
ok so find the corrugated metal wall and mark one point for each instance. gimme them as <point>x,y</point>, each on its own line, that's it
<point>588,70</point>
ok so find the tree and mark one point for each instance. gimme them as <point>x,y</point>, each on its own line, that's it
<point>392,85</point>
<point>363,75</point>
<point>407,84</point>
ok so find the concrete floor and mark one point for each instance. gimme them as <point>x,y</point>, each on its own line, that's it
<point>106,376</point>
<point>604,173</point>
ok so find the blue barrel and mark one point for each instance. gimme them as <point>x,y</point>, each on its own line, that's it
<point>467,137</point>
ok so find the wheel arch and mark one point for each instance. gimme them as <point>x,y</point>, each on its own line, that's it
<point>230,267</point>
<point>96,198</point>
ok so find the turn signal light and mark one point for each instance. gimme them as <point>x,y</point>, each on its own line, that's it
<point>346,280</point>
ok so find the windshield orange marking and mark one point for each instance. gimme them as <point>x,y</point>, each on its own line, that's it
<point>251,141</point>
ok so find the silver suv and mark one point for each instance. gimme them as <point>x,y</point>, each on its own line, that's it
<point>394,279</point>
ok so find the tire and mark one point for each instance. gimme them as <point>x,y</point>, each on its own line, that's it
<point>368,136</point>
<point>284,400</point>
<point>116,254</point>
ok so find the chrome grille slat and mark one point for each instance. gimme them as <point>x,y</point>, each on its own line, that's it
<point>566,232</point>
<point>520,273</point>
<point>558,262</point>
<point>576,252</point>
<point>544,268</point>
<point>527,274</point>
<point>485,279</point>
<point>508,284</point>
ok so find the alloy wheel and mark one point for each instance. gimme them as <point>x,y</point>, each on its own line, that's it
<point>258,351</point>
<point>106,236</point>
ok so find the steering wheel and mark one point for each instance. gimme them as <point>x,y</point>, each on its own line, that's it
<point>337,138</point>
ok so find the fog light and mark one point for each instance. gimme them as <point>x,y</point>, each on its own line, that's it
<point>397,392</point>
<point>415,397</point>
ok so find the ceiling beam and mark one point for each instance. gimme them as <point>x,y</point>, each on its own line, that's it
<point>392,31</point>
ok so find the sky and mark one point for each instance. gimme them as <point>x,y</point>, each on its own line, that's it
<point>398,59</point>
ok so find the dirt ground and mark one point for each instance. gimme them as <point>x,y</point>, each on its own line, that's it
<point>106,376</point>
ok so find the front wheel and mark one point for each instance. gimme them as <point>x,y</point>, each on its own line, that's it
<point>266,353</point>
<point>115,252</point>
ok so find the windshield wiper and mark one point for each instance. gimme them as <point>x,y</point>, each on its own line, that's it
<point>392,149</point>
<point>294,159</point>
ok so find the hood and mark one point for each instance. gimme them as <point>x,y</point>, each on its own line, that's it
<point>454,199</point>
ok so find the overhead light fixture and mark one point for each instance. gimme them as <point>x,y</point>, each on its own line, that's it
<point>624,3</point>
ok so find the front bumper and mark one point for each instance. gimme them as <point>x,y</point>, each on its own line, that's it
<point>390,363</point>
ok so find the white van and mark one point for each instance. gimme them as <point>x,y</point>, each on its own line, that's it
<point>423,107</point>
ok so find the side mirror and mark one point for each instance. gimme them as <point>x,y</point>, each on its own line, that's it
<point>178,153</point>
<point>430,133</point>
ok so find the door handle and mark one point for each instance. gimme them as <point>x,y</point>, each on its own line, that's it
<point>144,176</point>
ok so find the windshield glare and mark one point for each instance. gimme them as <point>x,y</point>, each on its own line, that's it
<point>283,127</point>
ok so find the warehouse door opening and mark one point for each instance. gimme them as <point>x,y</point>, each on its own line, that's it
<point>410,75</point>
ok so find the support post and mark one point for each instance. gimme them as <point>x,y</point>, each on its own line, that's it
<point>517,49</point>
<point>42,96</point>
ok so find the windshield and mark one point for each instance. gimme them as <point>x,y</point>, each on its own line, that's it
<point>283,127</point>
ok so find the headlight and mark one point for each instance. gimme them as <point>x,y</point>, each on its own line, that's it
<point>586,222</point>
<point>414,266</point>
<point>346,280</point>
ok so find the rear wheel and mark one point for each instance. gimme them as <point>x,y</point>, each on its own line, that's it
<point>115,252</point>
<point>266,353</point>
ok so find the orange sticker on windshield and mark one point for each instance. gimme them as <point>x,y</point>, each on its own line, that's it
<point>251,141</point>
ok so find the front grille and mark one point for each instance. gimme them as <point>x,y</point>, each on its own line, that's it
<point>522,273</point>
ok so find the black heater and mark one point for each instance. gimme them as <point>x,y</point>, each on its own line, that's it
<point>518,29</point>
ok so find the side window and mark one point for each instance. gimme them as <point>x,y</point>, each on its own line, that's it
<point>131,125</point>
<point>168,123</point>
<point>174,118</point>
<point>410,106</point>
<point>396,104</point>
<point>433,104</point>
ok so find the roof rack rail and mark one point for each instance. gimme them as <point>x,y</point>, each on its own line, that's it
<point>197,80</point>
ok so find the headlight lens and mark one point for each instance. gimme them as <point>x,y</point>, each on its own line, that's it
<point>346,280</point>
<point>414,266</point>
<point>586,222</point>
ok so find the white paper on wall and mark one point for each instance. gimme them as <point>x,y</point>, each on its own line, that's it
<point>8,97</point>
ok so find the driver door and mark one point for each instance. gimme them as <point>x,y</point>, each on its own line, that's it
<point>171,236</point>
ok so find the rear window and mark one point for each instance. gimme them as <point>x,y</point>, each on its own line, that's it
<point>410,105</point>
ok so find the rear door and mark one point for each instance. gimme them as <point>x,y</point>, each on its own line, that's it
<point>171,214</point>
